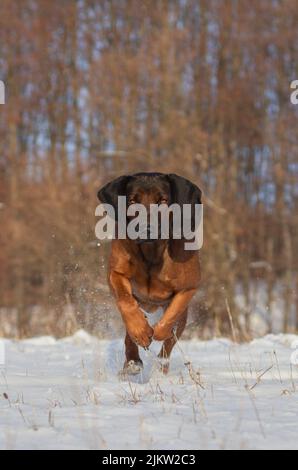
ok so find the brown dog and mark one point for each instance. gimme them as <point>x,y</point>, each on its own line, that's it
<point>147,274</point>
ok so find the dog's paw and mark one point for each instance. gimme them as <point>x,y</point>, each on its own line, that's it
<point>132,367</point>
<point>162,331</point>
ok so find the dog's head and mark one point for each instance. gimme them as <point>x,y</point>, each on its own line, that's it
<point>148,189</point>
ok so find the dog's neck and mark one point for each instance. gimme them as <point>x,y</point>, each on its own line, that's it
<point>152,252</point>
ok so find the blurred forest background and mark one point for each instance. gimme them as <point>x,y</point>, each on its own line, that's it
<point>95,89</point>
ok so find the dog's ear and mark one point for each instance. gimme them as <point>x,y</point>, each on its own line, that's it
<point>109,193</point>
<point>184,191</point>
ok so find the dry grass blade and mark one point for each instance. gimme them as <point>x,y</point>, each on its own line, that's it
<point>231,321</point>
<point>260,377</point>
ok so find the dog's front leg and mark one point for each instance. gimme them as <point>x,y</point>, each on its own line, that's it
<point>164,328</point>
<point>168,344</point>
<point>136,324</point>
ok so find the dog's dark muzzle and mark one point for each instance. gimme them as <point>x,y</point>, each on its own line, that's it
<point>146,236</point>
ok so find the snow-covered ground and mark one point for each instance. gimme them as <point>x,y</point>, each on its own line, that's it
<point>67,394</point>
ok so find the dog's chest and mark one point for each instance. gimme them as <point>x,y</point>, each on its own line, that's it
<point>157,282</point>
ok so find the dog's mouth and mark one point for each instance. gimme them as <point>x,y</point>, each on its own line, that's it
<point>141,241</point>
<point>146,236</point>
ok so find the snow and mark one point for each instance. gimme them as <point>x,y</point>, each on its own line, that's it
<point>67,394</point>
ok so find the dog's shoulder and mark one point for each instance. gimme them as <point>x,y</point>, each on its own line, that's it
<point>183,268</point>
<point>120,256</point>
